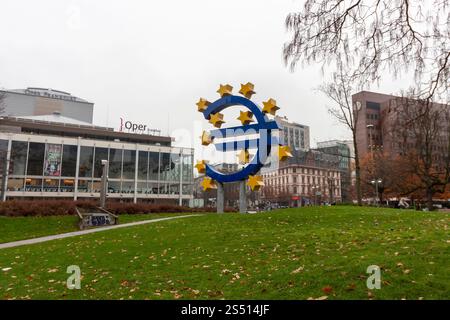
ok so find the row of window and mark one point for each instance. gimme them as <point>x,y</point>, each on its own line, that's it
<point>55,160</point>
<point>294,137</point>
<point>317,172</point>
<point>372,116</point>
<point>94,186</point>
<point>307,190</point>
<point>305,180</point>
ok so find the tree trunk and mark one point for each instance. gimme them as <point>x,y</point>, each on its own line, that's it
<point>430,198</point>
<point>357,171</point>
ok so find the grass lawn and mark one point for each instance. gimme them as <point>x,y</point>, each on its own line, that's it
<point>20,228</point>
<point>286,254</point>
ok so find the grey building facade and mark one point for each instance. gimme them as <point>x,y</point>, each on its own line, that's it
<point>34,101</point>
<point>293,134</point>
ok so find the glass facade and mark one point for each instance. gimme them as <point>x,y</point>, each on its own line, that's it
<point>18,162</point>
<point>52,168</point>
<point>69,159</point>
<point>36,153</point>
<point>100,154</point>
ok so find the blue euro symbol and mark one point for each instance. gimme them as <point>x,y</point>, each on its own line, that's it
<point>263,127</point>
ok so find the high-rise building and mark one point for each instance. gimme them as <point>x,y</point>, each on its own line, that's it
<point>293,134</point>
<point>377,116</point>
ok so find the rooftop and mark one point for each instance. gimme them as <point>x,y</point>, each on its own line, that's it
<point>46,93</point>
<point>55,124</point>
<point>57,117</point>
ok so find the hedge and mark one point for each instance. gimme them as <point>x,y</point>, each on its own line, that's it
<point>25,208</point>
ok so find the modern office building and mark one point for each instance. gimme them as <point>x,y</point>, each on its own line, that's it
<point>41,101</point>
<point>55,156</point>
<point>293,134</point>
<point>368,108</point>
<point>378,114</point>
<point>339,149</point>
<point>342,152</point>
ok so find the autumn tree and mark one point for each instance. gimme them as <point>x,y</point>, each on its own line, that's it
<point>420,138</point>
<point>380,165</point>
<point>367,37</point>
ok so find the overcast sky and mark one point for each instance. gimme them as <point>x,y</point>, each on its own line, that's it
<point>150,61</point>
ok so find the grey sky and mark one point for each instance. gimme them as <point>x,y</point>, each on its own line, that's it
<point>150,61</point>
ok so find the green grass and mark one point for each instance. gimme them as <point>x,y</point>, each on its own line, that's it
<point>20,228</point>
<point>286,254</point>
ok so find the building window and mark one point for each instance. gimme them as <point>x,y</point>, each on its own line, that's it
<point>18,158</point>
<point>188,169</point>
<point>69,161</point>
<point>166,165</point>
<point>15,184</point>
<point>3,153</point>
<point>51,185</point>
<point>153,165</point>
<point>129,164</point>
<point>114,187</point>
<point>127,187</point>
<point>115,163</point>
<point>100,154</point>
<point>33,185</point>
<point>36,159</point>
<point>86,160</point>
<point>143,165</point>
<point>67,185</point>
<point>52,164</point>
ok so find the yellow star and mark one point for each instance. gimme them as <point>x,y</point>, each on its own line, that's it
<point>255,182</point>
<point>284,152</point>
<point>208,184</point>
<point>245,117</point>
<point>216,119</point>
<point>270,106</point>
<point>247,90</point>
<point>201,166</point>
<point>244,157</point>
<point>202,104</point>
<point>206,138</point>
<point>225,90</point>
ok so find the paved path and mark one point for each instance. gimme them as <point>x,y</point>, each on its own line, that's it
<point>83,232</point>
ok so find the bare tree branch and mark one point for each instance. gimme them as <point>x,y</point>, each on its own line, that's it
<point>366,37</point>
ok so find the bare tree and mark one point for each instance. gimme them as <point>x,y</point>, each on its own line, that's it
<point>369,36</point>
<point>339,91</point>
<point>421,137</point>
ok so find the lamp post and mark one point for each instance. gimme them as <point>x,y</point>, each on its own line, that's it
<point>314,188</point>
<point>376,182</point>
<point>370,127</point>
<point>104,183</point>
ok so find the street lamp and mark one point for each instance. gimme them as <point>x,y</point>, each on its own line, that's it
<point>370,127</point>
<point>104,183</point>
<point>376,182</point>
<point>314,188</point>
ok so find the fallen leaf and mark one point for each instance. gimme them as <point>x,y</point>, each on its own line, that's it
<point>299,269</point>
<point>327,289</point>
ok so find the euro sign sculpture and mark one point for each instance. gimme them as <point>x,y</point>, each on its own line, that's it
<point>263,127</point>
